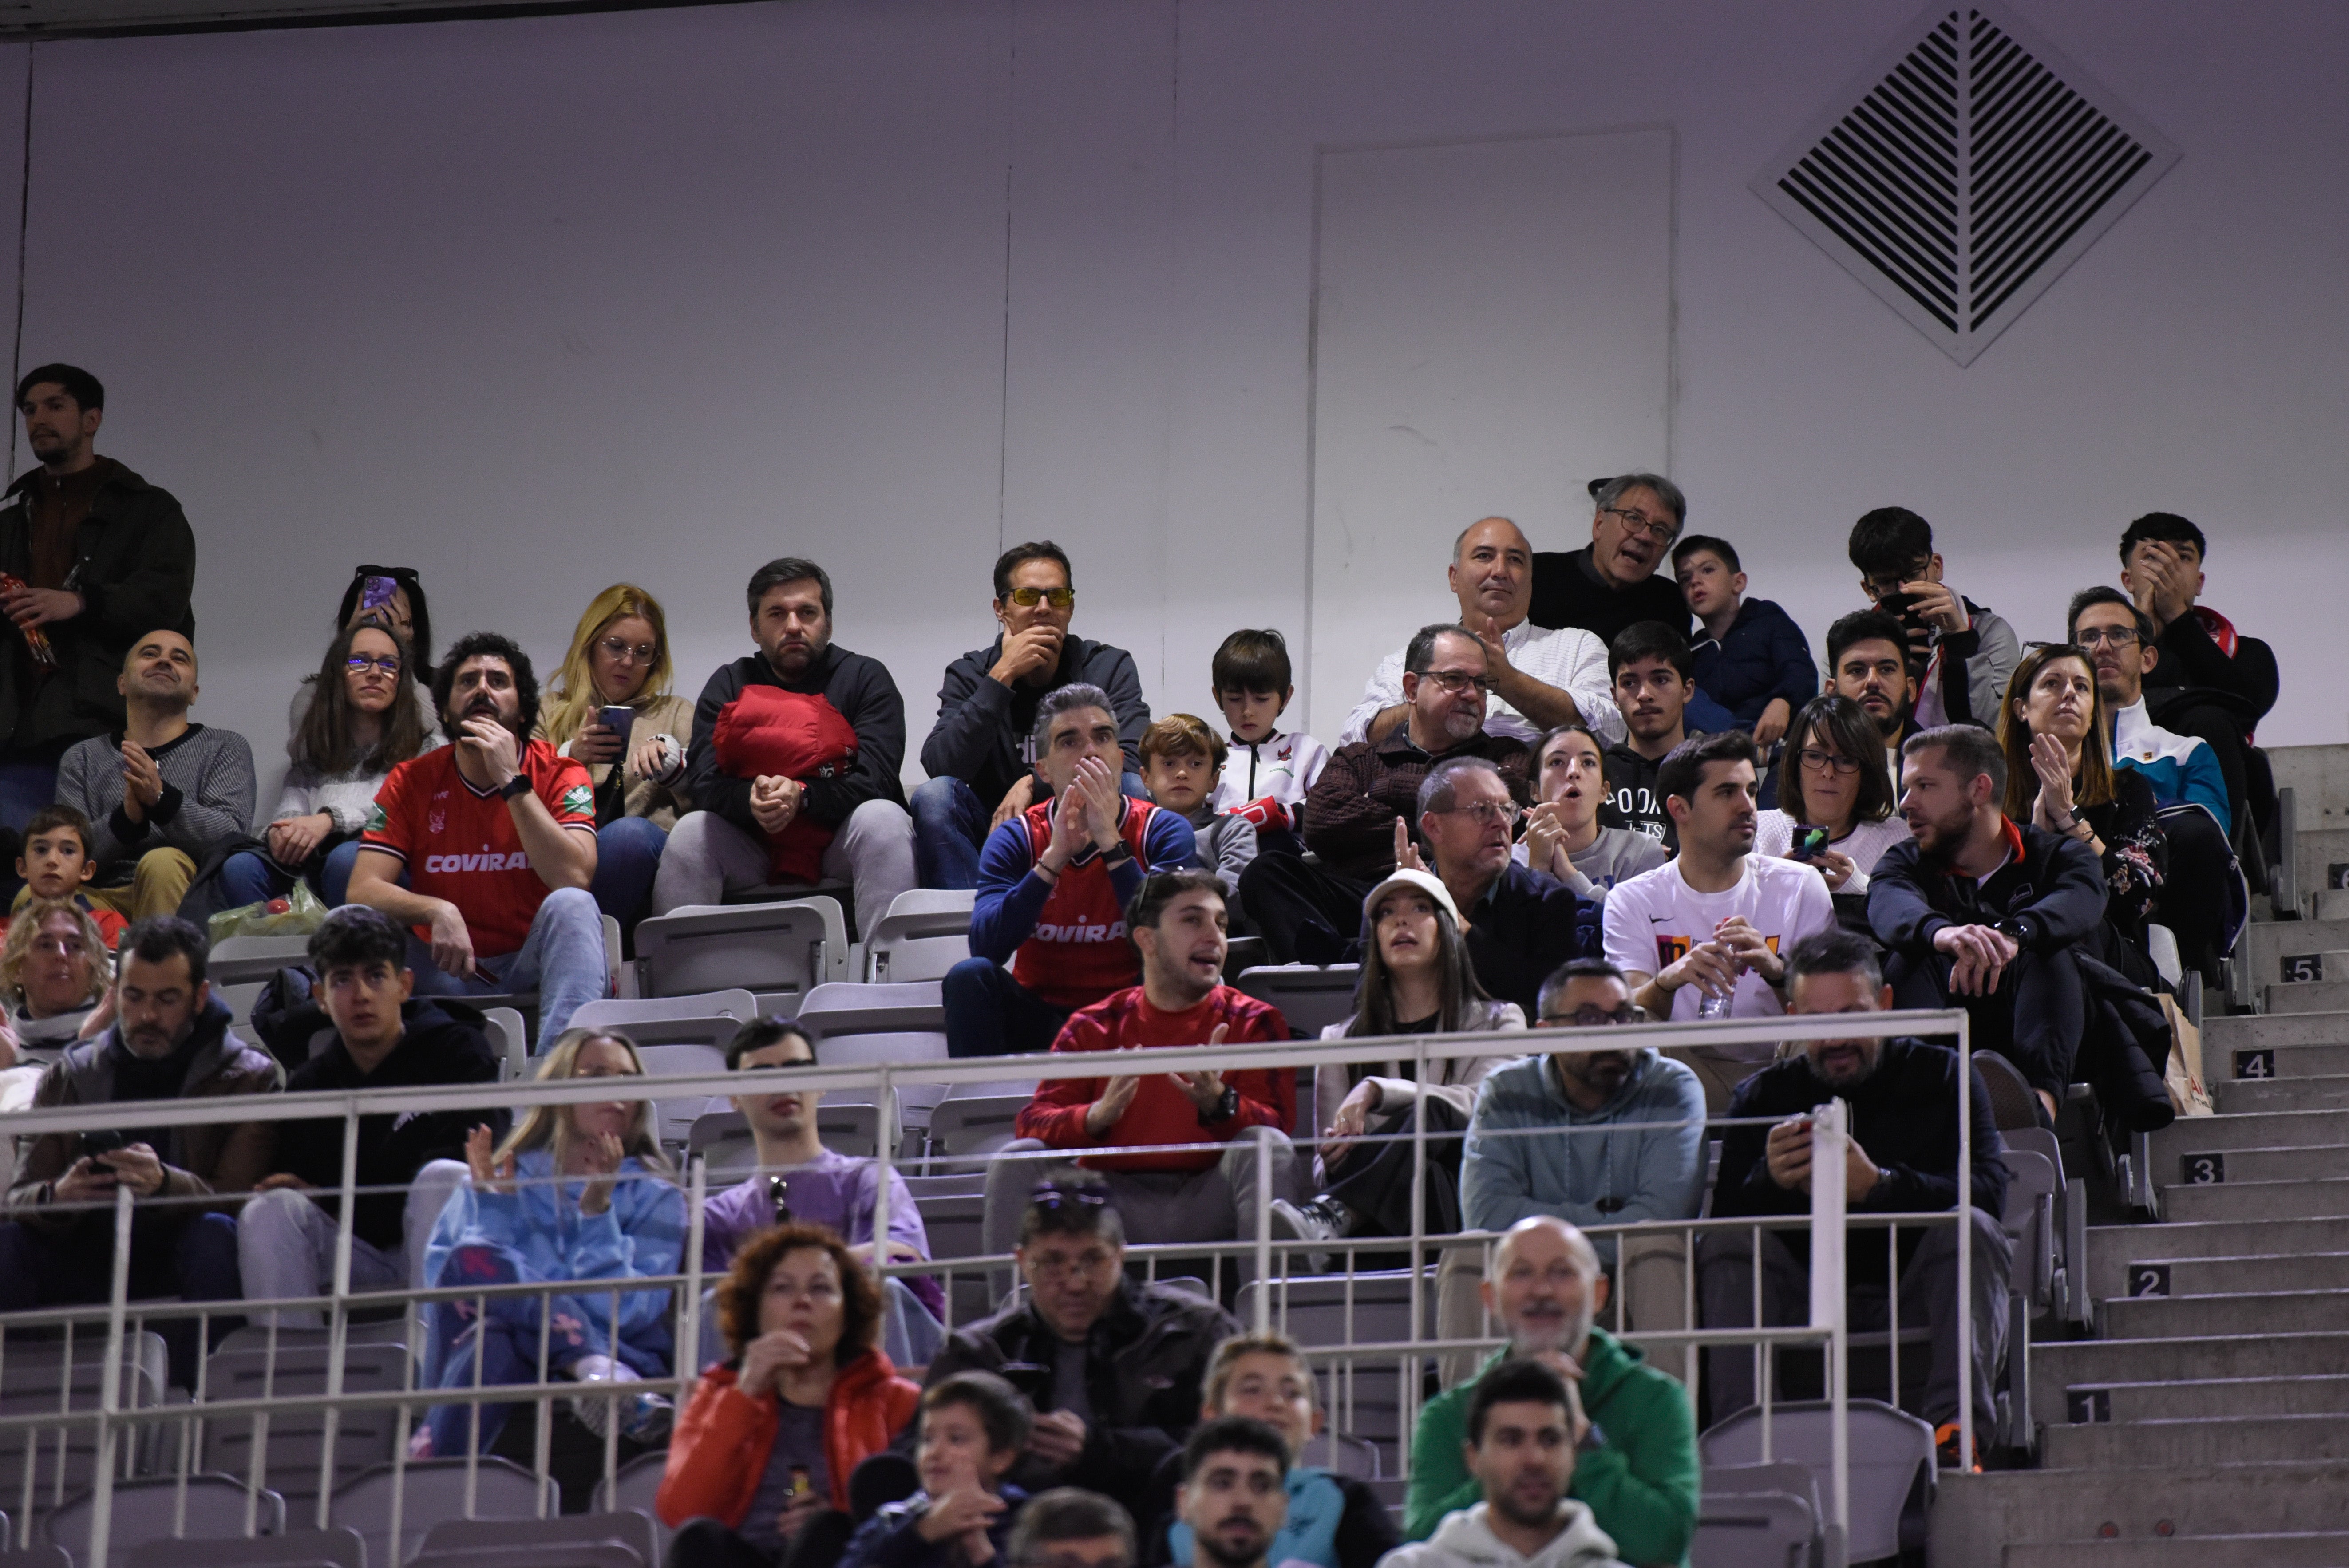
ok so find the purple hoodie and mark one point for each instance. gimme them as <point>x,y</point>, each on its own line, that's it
<point>831,1189</point>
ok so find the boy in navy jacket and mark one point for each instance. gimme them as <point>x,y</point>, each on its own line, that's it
<point>1751,657</point>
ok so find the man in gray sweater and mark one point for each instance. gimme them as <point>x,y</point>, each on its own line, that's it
<point>162,793</point>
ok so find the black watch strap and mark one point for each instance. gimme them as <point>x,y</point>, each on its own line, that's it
<point>517,785</point>
<point>1223,1109</point>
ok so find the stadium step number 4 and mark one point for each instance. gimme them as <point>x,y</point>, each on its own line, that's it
<point>2260,1064</point>
<point>2203,1170</point>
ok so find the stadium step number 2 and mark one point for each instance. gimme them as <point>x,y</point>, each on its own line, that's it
<point>2204,1170</point>
<point>2147,1280</point>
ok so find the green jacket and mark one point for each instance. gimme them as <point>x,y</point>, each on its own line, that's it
<point>1641,1480</point>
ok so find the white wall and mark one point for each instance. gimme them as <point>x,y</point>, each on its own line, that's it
<point>537,305</point>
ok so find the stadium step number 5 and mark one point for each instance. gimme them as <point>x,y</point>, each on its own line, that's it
<point>2300,966</point>
<point>2203,1170</point>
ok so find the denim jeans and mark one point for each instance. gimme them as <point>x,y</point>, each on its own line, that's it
<point>250,877</point>
<point>561,959</point>
<point>627,855</point>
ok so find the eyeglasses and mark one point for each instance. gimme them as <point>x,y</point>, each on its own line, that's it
<point>640,653</point>
<point>359,664</point>
<point>1454,682</point>
<point>1061,1265</point>
<point>1487,813</point>
<point>2119,636</point>
<point>1029,598</point>
<point>1819,761</point>
<point>1660,529</point>
<point>1590,1017</point>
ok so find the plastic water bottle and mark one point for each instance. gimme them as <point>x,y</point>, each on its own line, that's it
<point>1710,1006</point>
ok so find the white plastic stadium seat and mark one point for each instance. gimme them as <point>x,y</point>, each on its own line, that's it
<point>1889,1449</point>
<point>38,1379</point>
<point>789,948</point>
<point>241,960</point>
<point>303,1545</point>
<point>926,932</point>
<point>429,1492</point>
<point>633,1485</point>
<point>635,1014</point>
<point>1311,996</point>
<point>900,1025</point>
<point>676,1059</point>
<point>145,1511</point>
<point>298,1370</point>
<point>637,1532</point>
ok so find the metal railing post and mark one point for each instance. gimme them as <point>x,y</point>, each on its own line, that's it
<point>1830,1133</point>
<point>109,1382</point>
<point>338,1325</point>
<point>1965,1223</point>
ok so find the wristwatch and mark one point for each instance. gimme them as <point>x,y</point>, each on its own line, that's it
<point>1224,1109</point>
<point>517,785</point>
<point>1117,854</point>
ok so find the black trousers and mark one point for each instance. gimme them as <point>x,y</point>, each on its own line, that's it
<point>1307,913</point>
<point>1373,1180</point>
<point>2034,1019</point>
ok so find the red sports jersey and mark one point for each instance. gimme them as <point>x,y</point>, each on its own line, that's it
<point>1162,1113</point>
<point>460,843</point>
<point>1078,952</point>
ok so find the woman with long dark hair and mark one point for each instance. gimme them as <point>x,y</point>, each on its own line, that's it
<point>364,718</point>
<point>1417,979</point>
<point>1835,776</point>
<point>394,597</point>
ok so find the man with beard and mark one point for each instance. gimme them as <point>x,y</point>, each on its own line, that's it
<point>1902,1157</point>
<point>1701,936</point>
<point>1359,814</point>
<point>1538,678</point>
<point>484,847</point>
<point>1235,1492</point>
<point>1612,583</point>
<point>1979,911</point>
<point>1639,1474</point>
<point>1868,661</point>
<point>100,557</point>
<point>1604,1137</point>
<point>1654,676</point>
<point>792,768</point>
<point>1523,1421</point>
<point>159,793</point>
<point>170,1041</point>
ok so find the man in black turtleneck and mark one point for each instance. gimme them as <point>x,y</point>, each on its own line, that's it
<point>169,1040</point>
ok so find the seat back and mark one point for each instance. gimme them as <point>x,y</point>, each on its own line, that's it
<point>214,1506</point>
<point>244,960</point>
<point>916,946</point>
<point>551,1554</point>
<point>1754,1529</point>
<point>1891,1464</point>
<point>412,1497</point>
<point>634,1487</point>
<point>625,1527</point>
<point>509,1037</point>
<point>630,1014</point>
<point>1342,1454</point>
<point>2031,1184</point>
<point>675,1059</point>
<point>974,1120</point>
<point>38,1379</point>
<point>789,948</point>
<point>832,1011</point>
<point>954,1217</point>
<point>339,1548</point>
<point>1310,997</point>
<point>295,1440</point>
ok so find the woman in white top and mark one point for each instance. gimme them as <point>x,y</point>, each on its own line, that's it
<point>1417,979</point>
<point>1836,779</point>
<point>1562,832</point>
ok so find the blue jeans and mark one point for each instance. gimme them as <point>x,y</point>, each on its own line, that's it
<point>250,877</point>
<point>989,1014</point>
<point>628,854</point>
<point>950,827</point>
<point>194,1259</point>
<point>561,959</point>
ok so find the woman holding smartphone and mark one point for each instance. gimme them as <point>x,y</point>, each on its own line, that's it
<point>1835,778</point>
<point>611,708</point>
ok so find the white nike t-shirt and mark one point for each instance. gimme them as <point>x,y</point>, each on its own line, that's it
<point>1654,918</point>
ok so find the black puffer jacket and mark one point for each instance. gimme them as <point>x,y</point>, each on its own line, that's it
<point>135,568</point>
<point>1145,1365</point>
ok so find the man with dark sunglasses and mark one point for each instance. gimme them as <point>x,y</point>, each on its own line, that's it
<point>981,755</point>
<point>1608,1137</point>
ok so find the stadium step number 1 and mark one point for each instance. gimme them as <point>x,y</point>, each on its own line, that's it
<point>2260,1064</point>
<point>2090,1406</point>
<point>2204,1170</point>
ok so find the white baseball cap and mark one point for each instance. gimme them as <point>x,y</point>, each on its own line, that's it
<point>1427,882</point>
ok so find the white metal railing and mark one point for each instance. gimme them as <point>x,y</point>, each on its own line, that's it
<point>111,1418</point>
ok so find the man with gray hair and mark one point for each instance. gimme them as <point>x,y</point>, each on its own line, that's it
<point>1536,679</point>
<point>1612,583</point>
<point>1053,884</point>
<point>1519,923</point>
<point>1901,1159</point>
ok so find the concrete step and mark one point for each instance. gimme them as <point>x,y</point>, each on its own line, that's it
<point>2329,1551</point>
<point>1976,1516</point>
<point>2329,1159</point>
<point>2248,1129</point>
<point>2258,1063</point>
<point>2233,1200</point>
<point>2318,777</point>
<point>2315,997</point>
<point>2236,1097</point>
<point>2220,1397</point>
<point>2267,944</point>
<point>2242,1031</point>
<point>2249,1276</point>
<point>2112,1248</point>
<point>2328,902</point>
<point>2318,851</point>
<point>2248,1440</point>
<point>2255,1311</point>
<point>2094,1363</point>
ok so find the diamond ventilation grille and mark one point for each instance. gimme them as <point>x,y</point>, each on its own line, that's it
<point>1977,164</point>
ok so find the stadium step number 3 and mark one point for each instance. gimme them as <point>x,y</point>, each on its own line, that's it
<point>2147,1280</point>
<point>2260,1064</point>
<point>2204,1170</point>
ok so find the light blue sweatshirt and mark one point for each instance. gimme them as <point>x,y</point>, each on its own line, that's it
<point>1617,1156</point>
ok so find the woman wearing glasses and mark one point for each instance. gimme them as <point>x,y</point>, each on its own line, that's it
<point>363,718</point>
<point>611,708</point>
<point>1835,776</point>
<point>761,1457</point>
<point>392,597</point>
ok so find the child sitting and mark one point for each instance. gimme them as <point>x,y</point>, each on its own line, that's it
<point>55,863</point>
<point>974,1426</point>
<point>1266,773</point>
<point>1180,757</point>
<point>1750,658</point>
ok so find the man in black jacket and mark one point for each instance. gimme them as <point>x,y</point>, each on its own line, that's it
<point>1115,1369</point>
<point>982,754</point>
<point>101,558</point>
<point>1612,583</point>
<point>1902,1157</point>
<point>793,766</point>
<point>1979,912</point>
<point>286,1238</point>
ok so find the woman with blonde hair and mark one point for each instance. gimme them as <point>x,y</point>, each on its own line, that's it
<point>54,974</point>
<point>611,708</point>
<point>577,1193</point>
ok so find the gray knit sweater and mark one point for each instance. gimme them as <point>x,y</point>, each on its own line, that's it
<point>208,791</point>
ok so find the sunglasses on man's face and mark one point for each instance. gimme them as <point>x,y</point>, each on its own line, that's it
<point>1059,598</point>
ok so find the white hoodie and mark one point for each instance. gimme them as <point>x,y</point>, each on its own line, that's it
<point>1465,1540</point>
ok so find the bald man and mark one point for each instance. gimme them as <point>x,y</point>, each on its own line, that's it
<point>1640,1472</point>
<point>1539,679</point>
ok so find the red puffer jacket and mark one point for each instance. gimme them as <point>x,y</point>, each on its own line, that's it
<point>768,730</point>
<point>721,1450</point>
